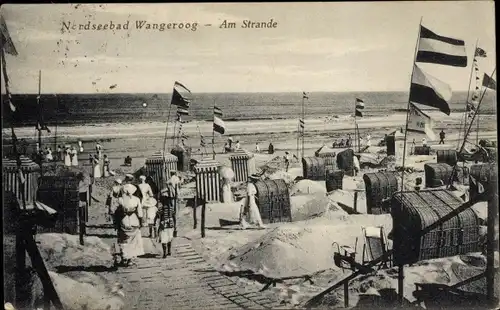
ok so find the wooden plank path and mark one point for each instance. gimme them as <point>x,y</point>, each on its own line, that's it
<point>185,281</point>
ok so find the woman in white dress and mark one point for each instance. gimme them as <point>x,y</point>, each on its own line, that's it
<point>249,213</point>
<point>67,158</point>
<point>105,166</point>
<point>129,244</point>
<point>149,205</point>
<point>48,155</point>
<point>74,156</point>
<point>227,175</point>
<point>80,146</point>
<point>97,167</point>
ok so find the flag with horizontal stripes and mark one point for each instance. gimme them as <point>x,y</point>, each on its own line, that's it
<point>428,90</point>
<point>360,105</point>
<point>301,123</point>
<point>480,52</point>
<point>217,112</point>
<point>489,82</point>
<point>7,44</point>
<point>436,49</point>
<point>219,125</point>
<point>182,111</point>
<point>418,121</point>
<point>181,96</point>
<point>304,95</point>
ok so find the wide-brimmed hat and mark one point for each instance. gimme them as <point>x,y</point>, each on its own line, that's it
<point>129,177</point>
<point>253,177</point>
<point>129,189</point>
<point>118,181</point>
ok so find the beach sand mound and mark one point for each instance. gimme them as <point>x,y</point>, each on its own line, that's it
<point>79,295</point>
<point>303,187</point>
<point>301,248</point>
<point>65,250</point>
<point>311,206</point>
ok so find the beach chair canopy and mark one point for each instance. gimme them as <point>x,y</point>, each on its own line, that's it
<point>375,245</point>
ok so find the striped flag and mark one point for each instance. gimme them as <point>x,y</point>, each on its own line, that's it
<point>181,96</point>
<point>489,82</point>
<point>202,141</point>
<point>436,49</point>
<point>304,95</point>
<point>301,123</point>
<point>360,105</point>
<point>428,90</point>
<point>219,125</point>
<point>182,111</point>
<point>480,52</point>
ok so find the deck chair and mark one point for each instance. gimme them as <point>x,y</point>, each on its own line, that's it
<point>375,246</point>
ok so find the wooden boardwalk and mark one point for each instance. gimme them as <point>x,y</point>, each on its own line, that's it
<point>186,281</point>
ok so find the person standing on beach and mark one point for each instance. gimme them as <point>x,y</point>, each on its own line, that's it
<point>249,211</point>
<point>287,161</point>
<point>130,244</point>
<point>67,157</point>
<point>105,166</point>
<point>112,201</point>
<point>97,167</point>
<point>270,149</point>
<point>167,217</point>
<point>176,183</point>
<point>80,146</point>
<point>149,205</point>
<point>98,149</point>
<point>424,142</point>
<point>74,156</point>
<point>412,147</point>
<point>442,135</point>
<point>237,146</point>
<point>59,153</point>
<point>257,147</point>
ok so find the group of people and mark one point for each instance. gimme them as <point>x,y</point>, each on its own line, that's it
<point>131,207</point>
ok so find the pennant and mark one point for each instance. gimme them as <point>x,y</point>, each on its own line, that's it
<point>217,112</point>
<point>418,121</point>
<point>436,49</point>
<point>7,44</point>
<point>480,52</point>
<point>428,90</point>
<point>181,96</point>
<point>219,125</point>
<point>304,95</point>
<point>489,82</point>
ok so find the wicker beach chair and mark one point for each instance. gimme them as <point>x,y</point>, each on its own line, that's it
<point>375,246</point>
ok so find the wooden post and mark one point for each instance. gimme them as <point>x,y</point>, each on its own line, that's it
<point>195,208</point>
<point>203,213</point>
<point>346,294</point>
<point>20,266</point>
<point>355,201</point>
<point>81,223</point>
<point>401,283</point>
<point>175,214</point>
<point>491,246</point>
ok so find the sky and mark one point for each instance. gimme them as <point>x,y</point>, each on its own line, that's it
<point>317,46</point>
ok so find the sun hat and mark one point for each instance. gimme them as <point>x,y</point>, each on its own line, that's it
<point>129,177</point>
<point>129,189</point>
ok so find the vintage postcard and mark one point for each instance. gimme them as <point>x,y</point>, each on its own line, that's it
<point>250,155</point>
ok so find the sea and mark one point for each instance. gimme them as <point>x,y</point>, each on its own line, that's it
<point>80,109</point>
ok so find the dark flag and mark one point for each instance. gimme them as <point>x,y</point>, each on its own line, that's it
<point>436,49</point>
<point>489,82</point>
<point>301,123</point>
<point>219,125</point>
<point>304,95</point>
<point>428,90</point>
<point>181,96</point>
<point>360,105</point>
<point>480,52</point>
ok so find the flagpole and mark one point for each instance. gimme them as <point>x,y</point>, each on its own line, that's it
<point>355,132</point>
<point>166,132</point>
<point>213,133</point>
<point>400,267</point>
<point>304,125</point>
<point>468,129</point>
<point>468,91</point>
<point>40,152</point>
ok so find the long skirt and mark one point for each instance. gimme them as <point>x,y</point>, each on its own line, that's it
<point>105,171</point>
<point>166,235</point>
<point>150,213</point>
<point>249,212</point>
<point>74,160</point>
<point>227,195</point>
<point>67,160</point>
<point>97,171</point>
<point>130,242</point>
